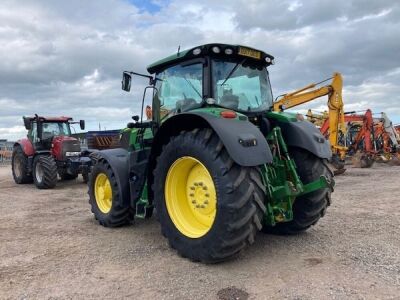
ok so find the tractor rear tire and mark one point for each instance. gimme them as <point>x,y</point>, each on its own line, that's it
<point>308,208</point>
<point>44,172</point>
<point>19,166</point>
<point>209,207</point>
<point>105,199</point>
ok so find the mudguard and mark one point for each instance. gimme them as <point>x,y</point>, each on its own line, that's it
<point>119,162</point>
<point>305,135</point>
<point>244,141</point>
<point>26,146</point>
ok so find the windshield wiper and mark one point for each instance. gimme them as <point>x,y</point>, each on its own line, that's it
<point>232,71</point>
<point>192,86</point>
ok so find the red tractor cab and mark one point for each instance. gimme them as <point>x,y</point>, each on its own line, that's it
<point>49,150</point>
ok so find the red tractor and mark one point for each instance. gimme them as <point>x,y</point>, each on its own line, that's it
<point>49,150</point>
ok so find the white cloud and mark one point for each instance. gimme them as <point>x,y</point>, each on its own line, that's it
<point>66,58</point>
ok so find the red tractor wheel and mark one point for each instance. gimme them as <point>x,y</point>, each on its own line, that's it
<point>44,172</point>
<point>19,165</point>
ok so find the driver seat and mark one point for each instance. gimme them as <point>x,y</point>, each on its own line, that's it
<point>231,101</point>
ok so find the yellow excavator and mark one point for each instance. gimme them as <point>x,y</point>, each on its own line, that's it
<point>317,118</point>
<point>335,115</point>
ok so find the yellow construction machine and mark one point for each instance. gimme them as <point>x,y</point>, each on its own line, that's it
<point>335,115</point>
<point>317,118</point>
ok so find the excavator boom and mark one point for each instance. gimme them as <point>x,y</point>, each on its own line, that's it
<point>335,105</point>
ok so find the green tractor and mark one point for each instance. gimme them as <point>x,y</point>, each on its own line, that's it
<point>213,159</point>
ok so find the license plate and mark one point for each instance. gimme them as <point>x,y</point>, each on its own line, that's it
<point>249,52</point>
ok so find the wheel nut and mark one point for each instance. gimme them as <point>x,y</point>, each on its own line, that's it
<point>205,188</point>
<point>207,195</point>
<point>191,195</point>
<point>200,184</point>
<point>202,206</point>
<point>197,206</point>
<point>205,202</point>
<point>192,188</point>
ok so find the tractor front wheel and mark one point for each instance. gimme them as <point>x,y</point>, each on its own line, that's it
<point>44,172</point>
<point>104,197</point>
<point>19,165</point>
<point>209,207</point>
<point>308,208</point>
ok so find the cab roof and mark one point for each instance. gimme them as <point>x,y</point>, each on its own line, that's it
<point>50,119</point>
<point>237,51</point>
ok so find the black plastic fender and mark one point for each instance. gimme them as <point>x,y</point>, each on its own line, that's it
<point>118,159</point>
<point>305,135</point>
<point>244,141</point>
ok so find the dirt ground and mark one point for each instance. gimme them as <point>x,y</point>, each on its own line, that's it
<point>51,247</point>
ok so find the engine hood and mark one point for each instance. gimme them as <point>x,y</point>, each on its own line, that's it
<point>63,144</point>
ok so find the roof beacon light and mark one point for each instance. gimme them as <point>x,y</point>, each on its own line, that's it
<point>196,51</point>
<point>268,59</point>
<point>216,49</point>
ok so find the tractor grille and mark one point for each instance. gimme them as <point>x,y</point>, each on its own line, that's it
<point>70,146</point>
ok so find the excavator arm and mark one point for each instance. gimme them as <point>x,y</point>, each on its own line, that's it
<point>335,105</point>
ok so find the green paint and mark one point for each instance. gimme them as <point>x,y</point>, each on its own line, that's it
<point>168,59</point>
<point>142,205</point>
<point>283,184</point>
<point>216,111</point>
<point>282,116</point>
<point>136,135</point>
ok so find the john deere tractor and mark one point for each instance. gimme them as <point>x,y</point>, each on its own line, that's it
<point>214,160</point>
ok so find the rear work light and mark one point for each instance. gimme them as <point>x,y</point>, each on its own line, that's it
<point>228,114</point>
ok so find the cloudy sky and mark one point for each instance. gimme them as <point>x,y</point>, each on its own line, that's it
<point>66,57</point>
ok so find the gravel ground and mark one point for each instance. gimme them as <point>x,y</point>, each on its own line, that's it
<point>51,247</point>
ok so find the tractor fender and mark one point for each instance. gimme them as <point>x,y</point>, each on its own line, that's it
<point>244,141</point>
<point>118,159</point>
<point>303,134</point>
<point>26,146</point>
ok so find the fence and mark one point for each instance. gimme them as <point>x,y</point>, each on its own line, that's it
<point>5,154</point>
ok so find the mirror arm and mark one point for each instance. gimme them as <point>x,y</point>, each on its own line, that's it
<point>152,80</point>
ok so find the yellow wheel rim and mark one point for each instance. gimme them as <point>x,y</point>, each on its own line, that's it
<point>103,192</point>
<point>190,197</point>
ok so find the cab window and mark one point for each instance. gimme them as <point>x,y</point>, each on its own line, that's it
<point>180,88</point>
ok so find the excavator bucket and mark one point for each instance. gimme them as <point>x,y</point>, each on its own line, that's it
<point>362,160</point>
<point>395,159</point>
<point>337,165</point>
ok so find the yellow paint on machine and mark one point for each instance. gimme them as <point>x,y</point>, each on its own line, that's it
<point>190,197</point>
<point>103,193</point>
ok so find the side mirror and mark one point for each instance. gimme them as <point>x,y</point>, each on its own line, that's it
<point>27,123</point>
<point>126,82</point>
<point>135,118</point>
<point>82,124</point>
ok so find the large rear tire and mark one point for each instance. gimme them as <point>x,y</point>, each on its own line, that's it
<point>19,166</point>
<point>309,208</point>
<point>209,207</point>
<point>44,172</point>
<point>104,197</point>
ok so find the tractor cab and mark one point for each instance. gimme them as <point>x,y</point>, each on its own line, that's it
<point>226,76</point>
<point>43,130</point>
